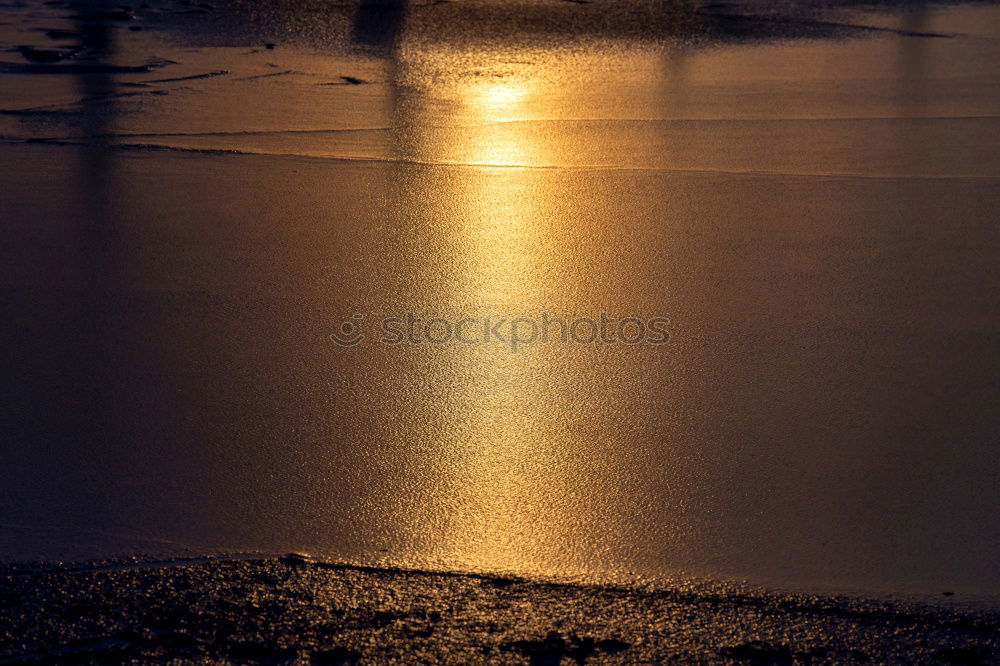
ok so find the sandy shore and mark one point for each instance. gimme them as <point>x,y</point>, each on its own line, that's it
<point>297,610</point>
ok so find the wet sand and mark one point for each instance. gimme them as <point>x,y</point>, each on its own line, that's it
<point>295,610</point>
<point>807,194</point>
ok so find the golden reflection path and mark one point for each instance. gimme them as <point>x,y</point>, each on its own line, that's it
<point>505,460</point>
<point>499,477</point>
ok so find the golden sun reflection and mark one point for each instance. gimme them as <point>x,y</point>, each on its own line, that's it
<point>497,470</point>
<point>497,100</point>
<point>496,143</point>
<point>502,459</point>
<point>495,452</point>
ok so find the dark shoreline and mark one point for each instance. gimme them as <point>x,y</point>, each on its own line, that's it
<point>296,610</point>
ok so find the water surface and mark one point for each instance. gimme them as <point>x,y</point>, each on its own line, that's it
<point>810,202</point>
